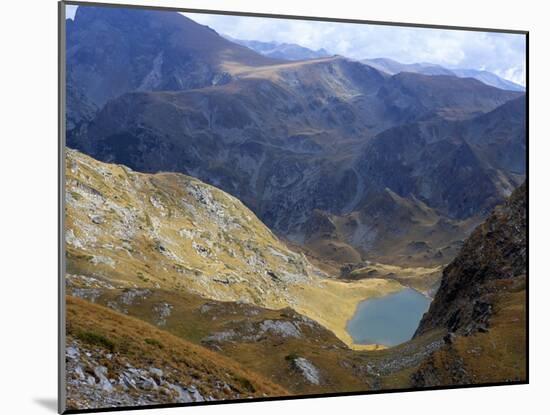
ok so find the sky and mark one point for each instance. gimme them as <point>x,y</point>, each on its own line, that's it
<point>70,11</point>
<point>500,53</point>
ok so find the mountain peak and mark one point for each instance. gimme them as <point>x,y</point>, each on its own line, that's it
<point>113,50</point>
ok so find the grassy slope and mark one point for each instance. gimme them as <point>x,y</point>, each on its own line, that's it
<point>270,354</point>
<point>498,355</point>
<point>132,338</point>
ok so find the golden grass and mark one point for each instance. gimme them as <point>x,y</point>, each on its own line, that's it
<point>139,341</point>
<point>498,355</point>
<point>271,71</point>
<point>270,355</point>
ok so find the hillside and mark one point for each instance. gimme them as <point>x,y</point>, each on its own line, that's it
<point>277,344</point>
<point>115,360</point>
<point>481,303</point>
<point>171,231</point>
<point>281,345</point>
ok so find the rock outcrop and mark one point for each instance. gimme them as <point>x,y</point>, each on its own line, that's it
<point>494,258</point>
<point>480,309</point>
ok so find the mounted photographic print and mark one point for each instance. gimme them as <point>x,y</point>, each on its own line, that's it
<point>258,207</point>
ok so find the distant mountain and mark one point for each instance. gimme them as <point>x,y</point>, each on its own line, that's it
<point>413,185</point>
<point>489,78</point>
<point>433,159</point>
<point>411,96</point>
<point>393,67</point>
<point>287,51</point>
<point>500,136</point>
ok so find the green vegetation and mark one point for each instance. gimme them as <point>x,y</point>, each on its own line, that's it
<point>96,339</point>
<point>153,342</point>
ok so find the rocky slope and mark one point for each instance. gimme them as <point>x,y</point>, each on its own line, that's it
<point>481,304</point>
<point>492,258</point>
<point>115,360</point>
<point>170,231</point>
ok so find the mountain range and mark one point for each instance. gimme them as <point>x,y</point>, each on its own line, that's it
<point>393,67</point>
<point>292,51</point>
<point>286,51</point>
<point>326,137</point>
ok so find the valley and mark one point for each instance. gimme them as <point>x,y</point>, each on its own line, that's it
<point>294,335</point>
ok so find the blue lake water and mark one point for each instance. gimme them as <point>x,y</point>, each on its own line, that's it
<point>388,320</point>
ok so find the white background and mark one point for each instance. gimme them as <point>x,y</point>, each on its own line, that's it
<point>28,210</point>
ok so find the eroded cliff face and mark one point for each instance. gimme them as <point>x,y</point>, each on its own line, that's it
<point>481,305</point>
<point>493,259</point>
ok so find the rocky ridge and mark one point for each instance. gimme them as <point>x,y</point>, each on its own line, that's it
<point>492,260</point>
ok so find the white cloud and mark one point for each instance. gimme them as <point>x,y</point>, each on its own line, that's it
<point>70,11</point>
